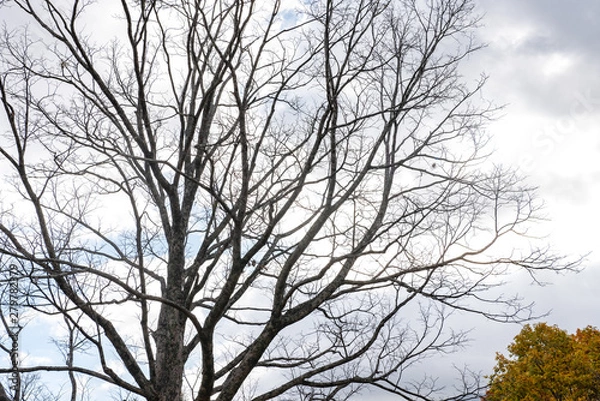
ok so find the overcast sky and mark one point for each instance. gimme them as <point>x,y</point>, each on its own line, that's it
<point>543,59</point>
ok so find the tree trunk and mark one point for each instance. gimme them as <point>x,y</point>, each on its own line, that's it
<point>169,355</point>
<point>169,335</point>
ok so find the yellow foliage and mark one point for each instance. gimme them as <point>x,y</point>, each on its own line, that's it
<point>546,363</point>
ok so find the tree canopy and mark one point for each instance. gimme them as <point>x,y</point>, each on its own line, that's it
<point>547,363</point>
<point>201,194</point>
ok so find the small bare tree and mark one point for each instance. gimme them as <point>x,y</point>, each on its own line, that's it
<point>241,199</point>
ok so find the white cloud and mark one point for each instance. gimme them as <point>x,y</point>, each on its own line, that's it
<point>556,64</point>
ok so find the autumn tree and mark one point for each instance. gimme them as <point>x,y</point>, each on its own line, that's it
<point>547,363</point>
<point>240,199</point>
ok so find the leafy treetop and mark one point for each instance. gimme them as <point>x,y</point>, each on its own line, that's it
<point>547,363</point>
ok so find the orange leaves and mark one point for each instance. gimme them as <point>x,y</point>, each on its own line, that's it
<point>546,363</point>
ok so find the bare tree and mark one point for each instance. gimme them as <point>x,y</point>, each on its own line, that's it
<point>32,389</point>
<point>240,199</point>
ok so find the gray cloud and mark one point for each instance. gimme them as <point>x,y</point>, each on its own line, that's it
<point>560,25</point>
<point>542,54</point>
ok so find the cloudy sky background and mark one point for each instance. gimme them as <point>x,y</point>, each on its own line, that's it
<point>543,60</point>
